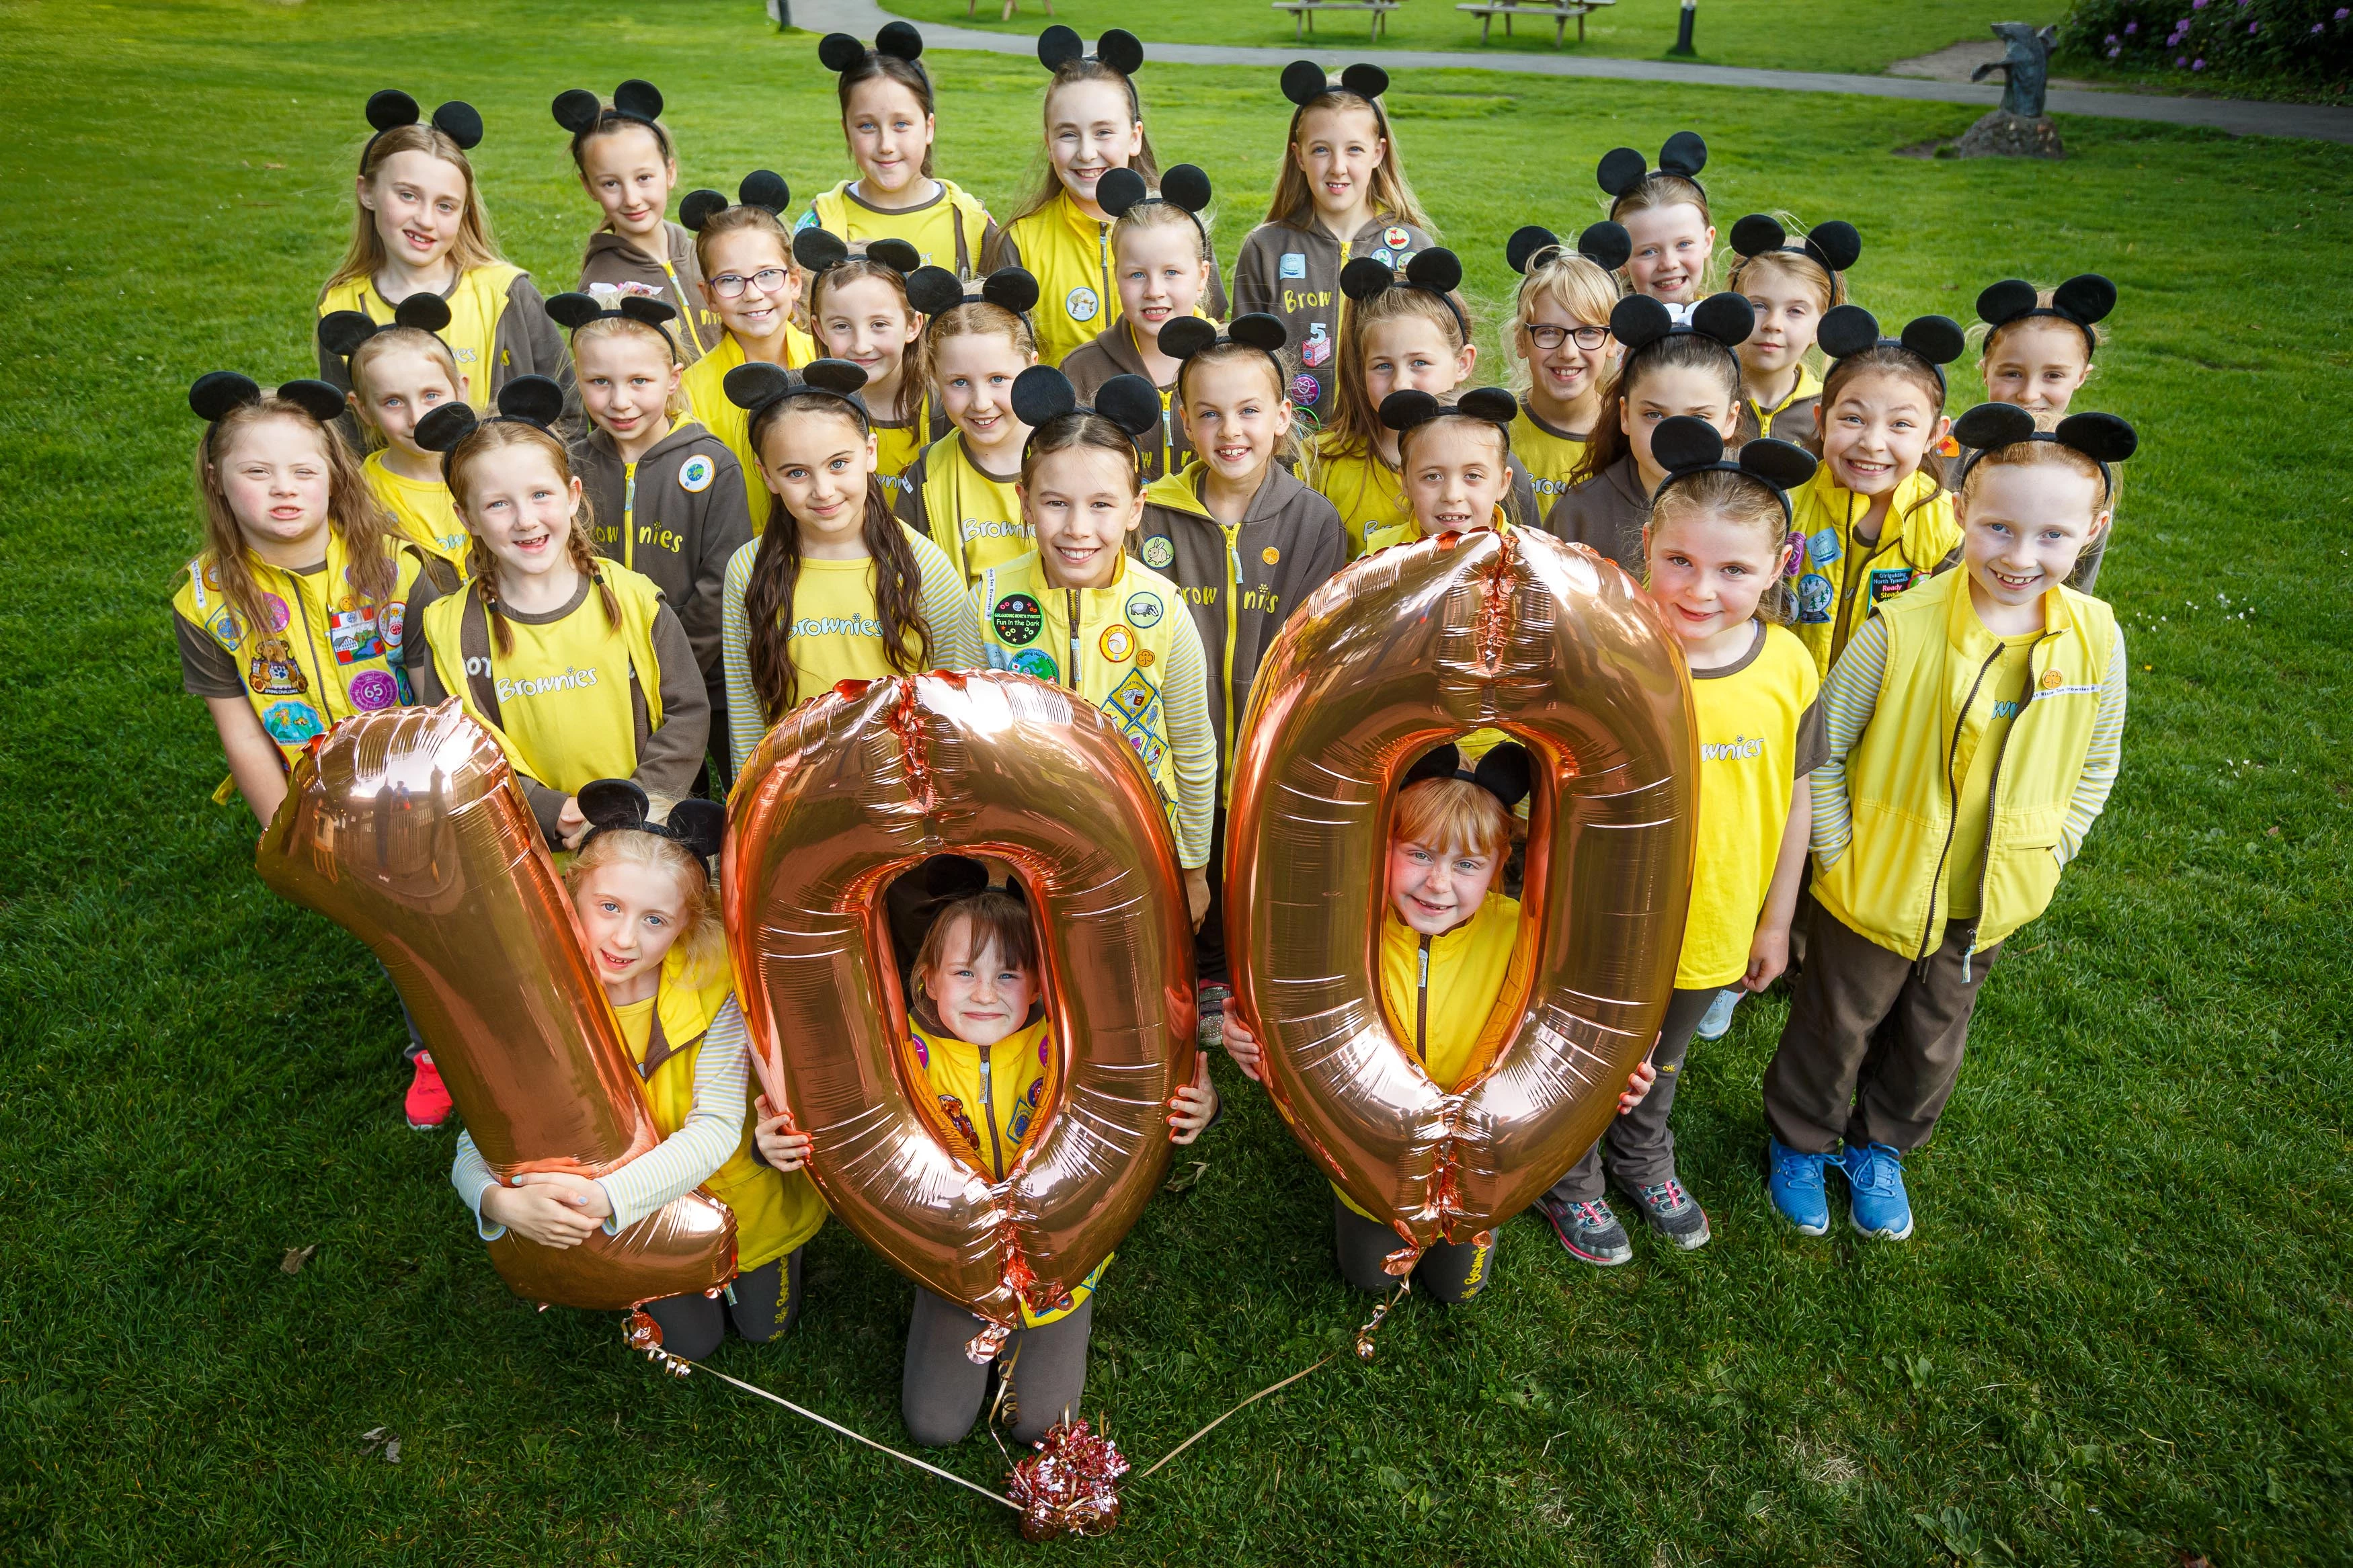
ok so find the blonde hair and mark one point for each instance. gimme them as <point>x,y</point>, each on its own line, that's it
<point>1573,282</point>
<point>1828,286</point>
<point>1294,204</point>
<point>973,319</point>
<point>1451,814</point>
<point>630,327</point>
<point>474,246</point>
<point>733,220</point>
<point>991,917</point>
<point>481,565</point>
<point>2090,334</point>
<point>1148,215</point>
<point>1070,73</point>
<point>1277,366</point>
<point>1736,499</point>
<point>389,340</point>
<point>1355,423</point>
<point>2030,453</point>
<point>703,935</point>
<point>1664,190</point>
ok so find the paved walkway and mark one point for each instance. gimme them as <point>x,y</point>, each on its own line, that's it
<point>2317,122</point>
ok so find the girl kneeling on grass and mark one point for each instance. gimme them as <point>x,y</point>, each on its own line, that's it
<point>2038,354</point>
<point>1718,541</point>
<point>399,374</point>
<point>642,890</point>
<point>573,662</point>
<point>1976,726</point>
<point>1561,334</point>
<point>1791,284</point>
<point>979,1042</point>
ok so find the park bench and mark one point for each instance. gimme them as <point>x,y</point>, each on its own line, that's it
<point>1302,12</point>
<point>1560,12</point>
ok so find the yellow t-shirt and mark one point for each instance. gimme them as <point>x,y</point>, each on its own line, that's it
<point>1547,454</point>
<point>1758,731</point>
<point>1365,491</point>
<point>707,401</point>
<point>896,446</point>
<point>422,506</point>
<point>971,514</point>
<point>1975,751</point>
<point>950,230</point>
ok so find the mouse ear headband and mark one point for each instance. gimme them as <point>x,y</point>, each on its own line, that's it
<point>1506,772</point>
<point>620,805</point>
<point>935,291</point>
<point>761,188</point>
<point>218,393</point>
<point>574,312</point>
<point>1638,322</point>
<point>1850,329</point>
<point>755,386</point>
<point>582,112</point>
<point>1304,82</point>
<point>2103,438</point>
<point>533,400</point>
<point>341,333</point>
<point>392,108</point>
<point>1686,446</point>
<point>1186,337</point>
<point>1605,244</point>
<point>819,251</point>
<point>1042,394</point>
<point>1835,245</point>
<point>1118,48</point>
<point>1622,170</point>
<point>838,52</point>
<point>1184,187</point>
<point>1434,271</point>
<point>2085,299</point>
<point>1403,411</point>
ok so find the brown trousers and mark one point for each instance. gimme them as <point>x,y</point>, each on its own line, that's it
<point>1874,1041</point>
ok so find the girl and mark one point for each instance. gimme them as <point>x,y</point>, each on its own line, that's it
<point>748,279</point>
<point>1244,540</point>
<point>1414,335</point>
<point>1077,612</point>
<point>859,311</point>
<point>1666,214</point>
<point>1875,518</point>
<point>1669,369</point>
<point>1717,540</point>
<point>573,663</point>
<point>1455,463</point>
<point>1447,955</point>
<point>1160,255</point>
<point>667,494</point>
<point>651,920</point>
<point>962,490</point>
<point>399,374</point>
<point>1791,284</point>
<point>628,166</point>
<point>1561,334</point>
<point>976,996</point>
<point>1340,192</point>
<point>1094,123</point>
<point>835,588</point>
<point>2038,353</point>
<point>419,227</point>
<point>1976,726</point>
<point>886,119</point>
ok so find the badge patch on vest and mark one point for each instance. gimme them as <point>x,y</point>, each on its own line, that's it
<point>1016,619</point>
<point>1305,388</point>
<point>278,613</point>
<point>1117,643</point>
<point>694,475</point>
<point>1144,610</point>
<point>1316,350</point>
<point>1082,304</point>
<point>372,689</point>
<point>1822,548</point>
<point>1158,552</point>
<point>1036,664</point>
<point>227,631</point>
<point>1292,265</point>
<point>274,673</point>
<point>1396,238</point>
<point>292,723</point>
<point>1886,582</point>
<point>353,632</point>
<point>1814,599</point>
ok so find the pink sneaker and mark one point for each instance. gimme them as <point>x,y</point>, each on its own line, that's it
<point>428,1103</point>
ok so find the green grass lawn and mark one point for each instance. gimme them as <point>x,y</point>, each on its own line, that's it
<point>2121,1330</point>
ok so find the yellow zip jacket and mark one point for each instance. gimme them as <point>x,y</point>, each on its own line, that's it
<point>1896,785</point>
<point>706,396</point>
<point>951,230</point>
<point>1843,583</point>
<point>499,328</point>
<point>1069,255</point>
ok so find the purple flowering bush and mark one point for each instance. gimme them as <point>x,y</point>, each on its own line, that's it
<point>2308,42</point>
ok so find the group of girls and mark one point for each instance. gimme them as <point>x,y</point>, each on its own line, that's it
<point>631,526</point>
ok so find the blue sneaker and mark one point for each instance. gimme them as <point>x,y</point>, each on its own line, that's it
<point>1794,1182</point>
<point>1874,1175</point>
<point>1717,1022</point>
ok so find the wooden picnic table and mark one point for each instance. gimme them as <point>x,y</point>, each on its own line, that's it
<point>1560,13</point>
<point>1302,12</point>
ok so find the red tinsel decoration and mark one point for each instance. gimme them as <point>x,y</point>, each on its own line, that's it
<point>1070,1483</point>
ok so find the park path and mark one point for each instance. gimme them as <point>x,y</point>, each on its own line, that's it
<point>2238,117</point>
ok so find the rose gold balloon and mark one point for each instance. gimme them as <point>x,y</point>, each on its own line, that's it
<point>1413,646</point>
<point>862,783</point>
<point>405,827</point>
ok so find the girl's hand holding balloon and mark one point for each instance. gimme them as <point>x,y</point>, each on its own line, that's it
<point>1638,1086</point>
<point>781,1144</point>
<point>552,1208</point>
<point>1194,1107</point>
<point>1241,1045</point>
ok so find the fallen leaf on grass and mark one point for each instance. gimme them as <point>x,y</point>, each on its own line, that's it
<point>385,1436</point>
<point>1185,1178</point>
<point>295,1258</point>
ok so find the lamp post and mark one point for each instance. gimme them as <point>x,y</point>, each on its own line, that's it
<point>1683,30</point>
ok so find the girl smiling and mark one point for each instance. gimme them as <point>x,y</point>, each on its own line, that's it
<point>628,165</point>
<point>888,125</point>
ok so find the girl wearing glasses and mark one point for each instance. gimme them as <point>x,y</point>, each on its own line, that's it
<point>748,278</point>
<point>1561,337</point>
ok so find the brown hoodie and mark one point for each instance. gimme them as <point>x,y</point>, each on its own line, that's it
<point>614,266</point>
<point>1294,273</point>
<point>1110,353</point>
<point>1607,512</point>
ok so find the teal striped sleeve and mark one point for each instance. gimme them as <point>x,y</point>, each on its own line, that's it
<point>947,607</point>
<point>1849,697</point>
<point>1184,699</point>
<point>746,724</point>
<point>2103,761</point>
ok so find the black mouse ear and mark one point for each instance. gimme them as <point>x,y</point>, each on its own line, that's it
<point>899,40</point>
<point>1493,404</point>
<point>699,207</point>
<point>341,333</point>
<point>756,384</point>
<point>2005,301</point>
<point>1756,234</point>
<point>1846,329</point>
<point>1186,186</point>
<point>1620,170</point>
<point>1526,244</point>
<point>1606,245</point>
<point>1437,267</point>
<point>1366,80</point>
<point>577,110</point>
<point>1042,392</point>
<point>933,291</point>
<point>1781,464</point>
<point>1304,82</point>
<point>1186,336</point>
<point>427,313</point>
<point>817,248</point>
<point>217,392</point>
<point>1682,443</point>
<point>637,98</point>
<point>893,253</point>
<point>614,804</point>
<point>2087,298</point>
<point>1130,402</point>
<point>533,399</point>
<point>949,877</point>
<point>1013,287</point>
<point>700,824</point>
<point>1404,410</point>
<point>461,122</point>
<point>1122,50</point>
<point>1992,425</point>
<point>1255,327</point>
<point>836,376</point>
<point>1683,154</point>
<point>1507,773</point>
<point>2103,438</point>
<point>573,311</point>
<point>1936,338</point>
<point>1839,243</point>
<point>1443,761</point>
<point>644,308</point>
<point>1058,45</point>
<point>1364,278</point>
<point>1728,317</point>
<point>446,427</point>
<point>1120,189</point>
<point>321,400</point>
<point>765,188</point>
<point>1637,320</point>
<point>838,51</point>
<point>392,108</point>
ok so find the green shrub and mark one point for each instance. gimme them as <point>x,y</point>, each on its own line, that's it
<point>2307,41</point>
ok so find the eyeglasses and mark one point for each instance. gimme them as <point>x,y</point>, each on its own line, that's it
<point>1550,338</point>
<point>767,280</point>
